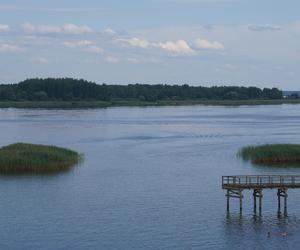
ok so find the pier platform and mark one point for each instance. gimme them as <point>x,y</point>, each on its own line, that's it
<point>234,185</point>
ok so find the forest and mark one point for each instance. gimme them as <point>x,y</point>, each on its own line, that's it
<point>69,89</point>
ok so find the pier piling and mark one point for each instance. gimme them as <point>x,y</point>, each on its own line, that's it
<point>278,201</point>
<point>257,193</point>
<point>236,184</point>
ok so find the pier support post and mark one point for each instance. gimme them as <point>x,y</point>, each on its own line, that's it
<point>227,200</point>
<point>260,201</point>
<point>278,201</point>
<point>257,193</point>
<point>285,205</point>
<point>235,193</point>
<point>260,205</point>
<point>282,192</point>
<point>241,201</point>
<point>254,200</point>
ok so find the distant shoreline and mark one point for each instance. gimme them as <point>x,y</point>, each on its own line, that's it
<point>132,103</point>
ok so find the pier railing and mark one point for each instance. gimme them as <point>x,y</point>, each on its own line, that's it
<point>260,181</point>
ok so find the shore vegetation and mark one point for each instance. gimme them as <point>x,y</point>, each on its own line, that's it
<point>138,103</point>
<point>69,89</point>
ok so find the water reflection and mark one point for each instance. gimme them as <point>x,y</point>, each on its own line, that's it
<point>260,232</point>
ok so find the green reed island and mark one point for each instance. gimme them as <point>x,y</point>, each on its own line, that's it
<point>272,154</point>
<point>24,158</point>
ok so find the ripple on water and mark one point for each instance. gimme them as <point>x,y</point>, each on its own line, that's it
<point>150,179</point>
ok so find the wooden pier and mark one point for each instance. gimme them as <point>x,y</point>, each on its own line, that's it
<point>234,185</point>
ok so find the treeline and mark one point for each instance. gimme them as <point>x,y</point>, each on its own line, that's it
<point>68,89</point>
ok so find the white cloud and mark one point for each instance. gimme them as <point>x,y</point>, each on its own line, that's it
<point>264,28</point>
<point>230,66</point>
<point>84,45</point>
<point>133,60</point>
<point>5,47</point>
<point>48,29</point>
<point>26,7</point>
<point>175,47</point>
<point>74,29</point>
<point>293,27</point>
<point>110,32</point>
<point>178,47</point>
<point>207,45</point>
<point>67,28</point>
<point>136,59</point>
<point>136,42</point>
<point>8,7</point>
<point>28,27</point>
<point>75,44</point>
<point>39,60</point>
<point>4,28</point>
<point>111,59</point>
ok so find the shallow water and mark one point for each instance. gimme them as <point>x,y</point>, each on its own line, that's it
<point>151,179</point>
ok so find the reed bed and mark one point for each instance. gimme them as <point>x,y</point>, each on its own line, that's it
<point>24,158</point>
<point>272,154</point>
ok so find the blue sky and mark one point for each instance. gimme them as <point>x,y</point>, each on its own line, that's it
<point>198,42</point>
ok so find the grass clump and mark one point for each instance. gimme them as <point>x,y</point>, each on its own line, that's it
<point>24,158</point>
<point>272,154</point>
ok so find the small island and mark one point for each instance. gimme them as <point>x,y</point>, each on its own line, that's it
<point>24,158</point>
<point>272,154</point>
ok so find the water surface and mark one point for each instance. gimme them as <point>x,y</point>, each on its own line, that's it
<point>151,179</point>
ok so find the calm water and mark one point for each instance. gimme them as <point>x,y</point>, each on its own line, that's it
<point>150,179</point>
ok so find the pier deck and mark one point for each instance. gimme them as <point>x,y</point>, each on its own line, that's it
<point>261,181</point>
<point>234,185</point>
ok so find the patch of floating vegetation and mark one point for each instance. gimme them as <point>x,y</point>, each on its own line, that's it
<point>24,158</point>
<point>272,154</point>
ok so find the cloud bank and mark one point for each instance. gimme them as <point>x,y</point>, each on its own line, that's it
<point>84,45</point>
<point>10,48</point>
<point>264,28</point>
<point>178,47</point>
<point>4,28</point>
<point>67,28</point>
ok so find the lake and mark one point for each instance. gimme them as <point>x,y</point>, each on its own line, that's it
<point>150,179</point>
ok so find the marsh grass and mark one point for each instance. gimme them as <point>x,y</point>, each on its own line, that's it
<point>272,154</point>
<point>24,158</point>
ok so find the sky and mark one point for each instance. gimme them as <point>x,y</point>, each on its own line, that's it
<point>195,42</point>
